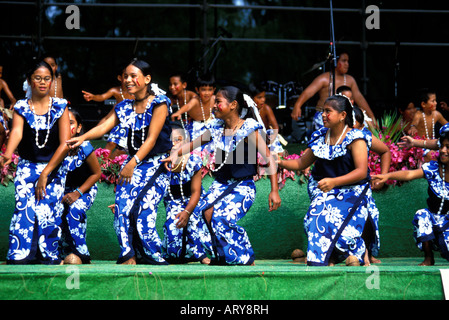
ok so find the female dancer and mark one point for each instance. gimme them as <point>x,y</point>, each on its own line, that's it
<point>40,129</point>
<point>339,182</point>
<point>184,233</point>
<point>371,233</point>
<point>232,193</point>
<point>80,193</point>
<point>430,224</point>
<point>142,180</point>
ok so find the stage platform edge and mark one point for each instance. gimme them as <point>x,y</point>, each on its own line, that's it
<point>393,279</point>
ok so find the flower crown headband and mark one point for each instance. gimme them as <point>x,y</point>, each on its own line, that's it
<point>353,112</point>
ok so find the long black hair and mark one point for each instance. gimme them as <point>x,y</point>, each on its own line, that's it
<point>145,68</point>
<point>231,94</point>
<point>342,103</point>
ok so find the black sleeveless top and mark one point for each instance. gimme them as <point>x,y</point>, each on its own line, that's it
<point>27,147</point>
<point>29,150</point>
<point>336,167</point>
<point>238,165</point>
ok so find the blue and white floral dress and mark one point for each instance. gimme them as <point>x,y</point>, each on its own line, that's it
<point>428,225</point>
<point>118,136</point>
<point>231,194</point>
<point>136,203</point>
<point>183,245</point>
<point>373,218</point>
<point>74,221</point>
<point>335,219</point>
<point>35,229</point>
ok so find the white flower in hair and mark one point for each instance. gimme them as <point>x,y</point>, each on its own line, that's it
<point>353,112</point>
<point>251,104</point>
<point>157,91</point>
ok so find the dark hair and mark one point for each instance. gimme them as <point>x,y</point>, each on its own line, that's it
<point>179,74</point>
<point>51,55</point>
<point>175,125</point>
<point>403,104</point>
<point>145,68</point>
<point>341,51</point>
<point>205,80</point>
<point>255,89</point>
<point>423,95</point>
<point>78,119</point>
<point>341,89</point>
<point>231,94</point>
<point>340,104</point>
<point>37,66</point>
<point>359,116</point>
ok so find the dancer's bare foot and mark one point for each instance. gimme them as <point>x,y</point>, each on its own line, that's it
<point>428,261</point>
<point>374,259</point>
<point>132,260</point>
<point>352,261</point>
<point>205,261</point>
<point>72,259</point>
<point>366,259</point>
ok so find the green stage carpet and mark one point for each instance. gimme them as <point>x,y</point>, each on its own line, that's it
<point>273,235</point>
<point>393,279</point>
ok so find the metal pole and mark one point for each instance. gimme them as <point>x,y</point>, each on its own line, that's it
<point>364,46</point>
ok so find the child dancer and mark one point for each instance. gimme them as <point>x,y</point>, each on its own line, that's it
<point>430,224</point>
<point>199,108</point>
<point>235,140</point>
<point>180,96</point>
<point>339,182</point>
<point>80,193</point>
<point>184,232</point>
<point>269,120</point>
<point>424,121</point>
<point>142,180</point>
<point>117,137</point>
<point>40,129</point>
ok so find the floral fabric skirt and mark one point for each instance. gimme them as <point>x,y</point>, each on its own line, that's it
<point>74,225</point>
<point>336,220</point>
<point>231,201</point>
<point>136,206</point>
<point>186,244</point>
<point>428,226</point>
<point>35,229</point>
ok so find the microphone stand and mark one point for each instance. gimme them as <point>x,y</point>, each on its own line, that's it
<point>332,53</point>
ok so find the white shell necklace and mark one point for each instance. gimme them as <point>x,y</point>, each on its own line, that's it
<point>425,125</point>
<point>443,189</point>
<point>135,126</point>
<point>185,113</point>
<point>329,137</point>
<point>202,111</point>
<point>230,145</point>
<point>48,124</point>
<point>180,185</point>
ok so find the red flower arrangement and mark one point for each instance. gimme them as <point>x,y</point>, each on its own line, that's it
<point>110,168</point>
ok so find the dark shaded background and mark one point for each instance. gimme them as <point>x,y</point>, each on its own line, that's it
<point>414,41</point>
